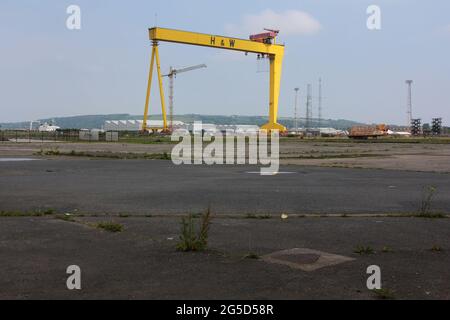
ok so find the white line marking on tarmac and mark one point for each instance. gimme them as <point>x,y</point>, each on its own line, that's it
<point>16,159</point>
<point>271,173</point>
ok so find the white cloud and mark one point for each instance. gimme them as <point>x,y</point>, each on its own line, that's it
<point>290,22</point>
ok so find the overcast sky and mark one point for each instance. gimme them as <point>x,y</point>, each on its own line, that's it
<point>47,70</point>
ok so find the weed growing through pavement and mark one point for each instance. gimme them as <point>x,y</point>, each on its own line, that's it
<point>258,216</point>
<point>364,250</point>
<point>385,294</point>
<point>50,152</point>
<point>252,255</point>
<point>36,213</point>
<point>427,199</point>
<point>107,155</point>
<point>110,226</point>
<point>194,238</point>
<point>436,248</point>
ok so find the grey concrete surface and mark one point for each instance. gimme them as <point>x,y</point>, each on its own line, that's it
<point>141,262</point>
<point>146,187</point>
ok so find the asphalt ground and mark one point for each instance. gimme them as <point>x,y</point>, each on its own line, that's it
<point>157,186</point>
<point>147,196</point>
<point>141,262</point>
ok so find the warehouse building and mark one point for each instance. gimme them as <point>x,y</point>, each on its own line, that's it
<point>135,125</point>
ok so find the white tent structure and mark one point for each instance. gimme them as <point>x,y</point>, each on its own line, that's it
<point>135,125</point>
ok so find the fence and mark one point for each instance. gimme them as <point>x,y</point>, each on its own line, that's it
<point>60,136</point>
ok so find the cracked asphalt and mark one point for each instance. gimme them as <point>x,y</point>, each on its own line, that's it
<point>141,262</point>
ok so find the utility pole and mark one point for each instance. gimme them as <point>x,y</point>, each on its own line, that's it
<point>320,103</point>
<point>295,109</point>
<point>308,106</point>
<point>409,102</point>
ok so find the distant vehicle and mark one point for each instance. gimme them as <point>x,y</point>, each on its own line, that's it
<point>399,133</point>
<point>365,132</point>
<point>48,128</point>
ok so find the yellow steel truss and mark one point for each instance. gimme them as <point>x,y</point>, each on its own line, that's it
<point>275,53</point>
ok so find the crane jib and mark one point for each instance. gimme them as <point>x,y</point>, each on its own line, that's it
<point>215,41</point>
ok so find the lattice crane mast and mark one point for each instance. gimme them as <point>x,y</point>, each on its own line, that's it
<point>171,75</point>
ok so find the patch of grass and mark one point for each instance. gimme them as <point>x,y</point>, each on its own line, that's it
<point>364,250</point>
<point>383,293</point>
<point>147,140</point>
<point>49,152</point>
<point>436,248</point>
<point>386,139</point>
<point>386,249</point>
<point>166,156</point>
<point>431,216</point>
<point>252,255</point>
<point>416,215</point>
<point>196,215</point>
<point>36,213</point>
<point>110,226</point>
<point>334,156</point>
<point>108,155</point>
<point>257,216</point>
<point>14,214</point>
<point>194,238</point>
<point>427,199</point>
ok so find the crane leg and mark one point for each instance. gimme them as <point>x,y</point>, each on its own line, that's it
<point>149,86</point>
<point>161,89</point>
<point>275,79</point>
<point>171,103</point>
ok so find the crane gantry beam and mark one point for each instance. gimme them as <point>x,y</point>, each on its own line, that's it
<point>275,52</point>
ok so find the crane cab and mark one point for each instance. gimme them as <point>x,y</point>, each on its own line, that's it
<point>265,37</point>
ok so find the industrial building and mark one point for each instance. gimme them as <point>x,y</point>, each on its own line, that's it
<point>136,125</point>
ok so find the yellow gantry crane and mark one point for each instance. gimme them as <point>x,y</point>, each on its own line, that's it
<point>262,44</point>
